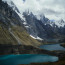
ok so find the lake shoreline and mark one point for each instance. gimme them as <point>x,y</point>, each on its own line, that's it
<point>23,49</point>
<point>52,47</point>
<point>60,62</point>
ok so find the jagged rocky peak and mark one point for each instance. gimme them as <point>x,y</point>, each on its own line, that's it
<point>6,10</point>
<point>14,6</point>
<point>7,14</point>
<point>60,23</point>
<point>35,27</point>
<point>27,13</point>
<point>30,20</point>
<point>43,28</point>
<point>43,19</point>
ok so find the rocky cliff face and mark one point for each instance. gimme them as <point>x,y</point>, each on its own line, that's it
<point>43,28</point>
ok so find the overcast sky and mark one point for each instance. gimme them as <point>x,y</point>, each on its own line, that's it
<point>53,9</point>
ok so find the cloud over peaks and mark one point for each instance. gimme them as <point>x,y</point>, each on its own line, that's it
<point>53,9</point>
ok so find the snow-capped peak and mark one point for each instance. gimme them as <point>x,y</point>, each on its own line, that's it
<point>60,23</point>
<point>15,8</point>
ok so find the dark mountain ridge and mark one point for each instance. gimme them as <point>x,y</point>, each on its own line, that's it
<point>43,29</point>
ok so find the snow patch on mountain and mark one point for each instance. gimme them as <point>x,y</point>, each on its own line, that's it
<point>38,38</point>
<point>24,23</point>
<point>20,15</point>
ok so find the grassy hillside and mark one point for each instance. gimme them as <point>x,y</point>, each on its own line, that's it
<point>24,37</point>
<point>6,37</point>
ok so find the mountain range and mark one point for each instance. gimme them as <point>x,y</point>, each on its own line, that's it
<point>26,28</point>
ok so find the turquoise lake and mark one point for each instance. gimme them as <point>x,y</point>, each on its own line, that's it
<point>52,47</point>
<point>26,59</point>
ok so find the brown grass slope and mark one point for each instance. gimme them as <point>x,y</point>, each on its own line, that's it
<point>7,38</point>
<point>24,37</point>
